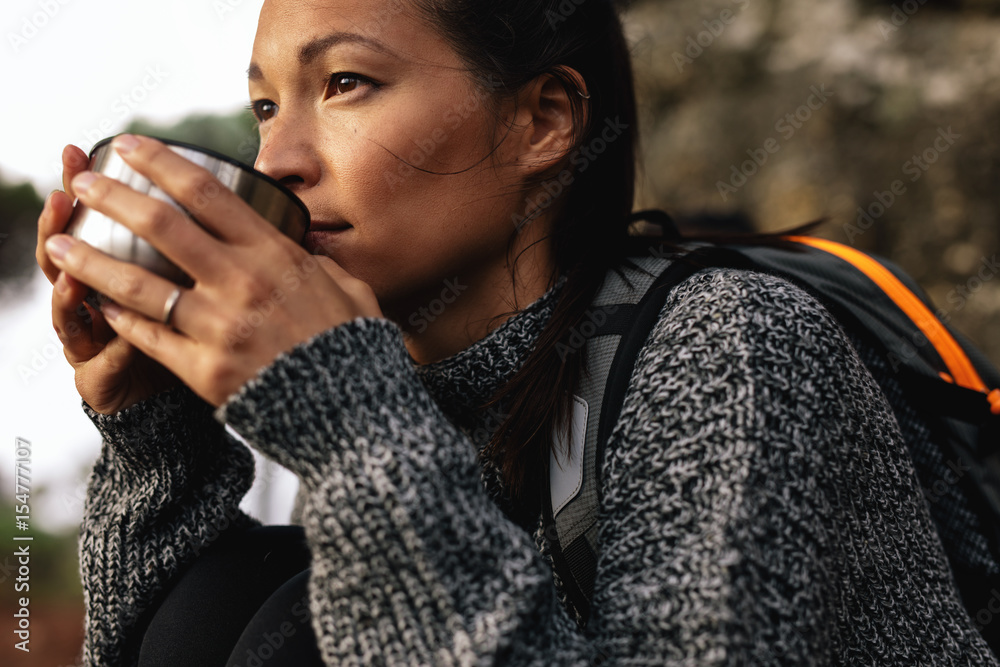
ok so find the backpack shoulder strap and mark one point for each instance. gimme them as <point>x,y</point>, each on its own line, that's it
<point>959,369</point>
<point>619,322</point>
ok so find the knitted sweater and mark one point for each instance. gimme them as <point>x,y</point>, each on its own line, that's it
<point>758,505</point>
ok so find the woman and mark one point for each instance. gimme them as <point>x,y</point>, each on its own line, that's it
<point>757,503</point>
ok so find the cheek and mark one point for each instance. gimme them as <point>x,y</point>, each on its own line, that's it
<point>431,168</point>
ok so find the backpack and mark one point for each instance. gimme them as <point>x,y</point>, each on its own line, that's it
<point>947,381</point>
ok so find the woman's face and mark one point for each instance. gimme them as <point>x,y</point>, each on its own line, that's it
<point>348,93</point>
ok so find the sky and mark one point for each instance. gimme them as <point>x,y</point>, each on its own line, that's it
<point>75,71</point>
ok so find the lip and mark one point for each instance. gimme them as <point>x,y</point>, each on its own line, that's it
<point>321,226</point>
<point>325,238</point>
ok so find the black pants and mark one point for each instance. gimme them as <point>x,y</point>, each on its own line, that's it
<point>243,603</point>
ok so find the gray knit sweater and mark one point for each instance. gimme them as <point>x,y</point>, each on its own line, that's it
<point>758,505</point>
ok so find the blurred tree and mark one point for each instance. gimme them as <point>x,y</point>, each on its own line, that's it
<point>19,209</point>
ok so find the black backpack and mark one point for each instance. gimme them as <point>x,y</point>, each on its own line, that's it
<point>950,384</point>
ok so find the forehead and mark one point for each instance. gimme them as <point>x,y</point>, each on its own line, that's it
<point>301,26</point>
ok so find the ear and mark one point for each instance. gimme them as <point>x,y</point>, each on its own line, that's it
<point>546,120</point>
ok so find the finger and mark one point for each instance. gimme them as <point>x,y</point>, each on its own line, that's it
<point>169,230</point>
<point>58,209</point>
<point>88,310</point>
<point>212,204</point>
<point>156,340</point>
<point>72,320</point>
<point>53,220</point>
<point>74,161</point>
<point>132,286</point>
<point>113,359</point>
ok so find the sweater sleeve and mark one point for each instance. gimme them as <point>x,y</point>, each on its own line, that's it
<point>167,483</point>
<point>759,505</point>
<point>744,514</point>
<point>413,564</point>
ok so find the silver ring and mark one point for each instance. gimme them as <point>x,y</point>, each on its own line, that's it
<point>171,303</point>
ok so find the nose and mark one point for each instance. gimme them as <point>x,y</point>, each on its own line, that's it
<point>289,156</point>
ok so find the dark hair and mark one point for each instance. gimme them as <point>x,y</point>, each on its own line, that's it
<point>506,45</point>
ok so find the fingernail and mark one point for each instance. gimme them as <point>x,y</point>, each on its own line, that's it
<point>58,245</point>
<point>61,285</point>
<point>111,310</point>
<point>125,143</point>
<point>83,181</point>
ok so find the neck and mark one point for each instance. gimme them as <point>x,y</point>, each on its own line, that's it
<point>464,309</point>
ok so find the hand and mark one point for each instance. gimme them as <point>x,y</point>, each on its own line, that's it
<point>111,374</point>
<point>256,293</point>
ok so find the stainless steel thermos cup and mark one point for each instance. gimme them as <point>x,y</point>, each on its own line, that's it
<point>274,202</point>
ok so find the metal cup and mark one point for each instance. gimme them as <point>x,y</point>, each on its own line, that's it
<point>271,200</point>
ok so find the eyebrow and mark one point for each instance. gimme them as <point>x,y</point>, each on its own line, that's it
<point>317,47</point>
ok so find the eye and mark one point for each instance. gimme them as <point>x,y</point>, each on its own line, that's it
<point>342,83</point>
<point>263,110</point>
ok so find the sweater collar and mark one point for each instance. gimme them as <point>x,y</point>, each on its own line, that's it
<point>469,378</point>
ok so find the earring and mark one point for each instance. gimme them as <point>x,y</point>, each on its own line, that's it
<point>580,93</point>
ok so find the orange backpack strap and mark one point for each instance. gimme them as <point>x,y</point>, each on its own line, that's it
<point>960,368</point>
